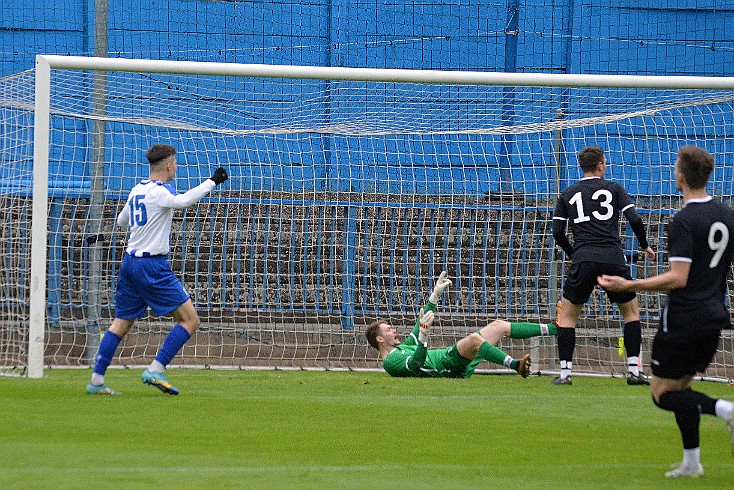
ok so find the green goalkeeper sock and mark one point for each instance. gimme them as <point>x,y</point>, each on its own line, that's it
<point>524,330</point>
<point>494,354</point>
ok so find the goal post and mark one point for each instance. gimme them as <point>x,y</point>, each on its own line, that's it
<point>350,190</point>
<point>39,219</point>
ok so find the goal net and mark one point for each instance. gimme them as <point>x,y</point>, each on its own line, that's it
<point>349,191</point>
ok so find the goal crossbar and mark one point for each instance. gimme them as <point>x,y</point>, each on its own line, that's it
<point>383,74</point>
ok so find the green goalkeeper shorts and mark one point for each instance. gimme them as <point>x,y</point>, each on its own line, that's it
<point>449,363</point>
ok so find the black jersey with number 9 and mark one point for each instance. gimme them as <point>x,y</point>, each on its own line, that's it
<point>702,234</point>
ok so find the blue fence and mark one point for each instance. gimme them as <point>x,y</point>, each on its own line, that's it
<point>338,258</point>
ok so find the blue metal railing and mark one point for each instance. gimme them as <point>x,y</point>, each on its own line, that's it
<point>333,256</point>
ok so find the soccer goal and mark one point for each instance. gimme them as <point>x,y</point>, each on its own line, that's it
<point>350,190</point>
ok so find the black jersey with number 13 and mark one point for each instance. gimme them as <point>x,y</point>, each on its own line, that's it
<point>592,207</point>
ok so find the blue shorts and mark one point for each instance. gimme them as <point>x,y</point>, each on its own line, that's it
<point>147,282</point>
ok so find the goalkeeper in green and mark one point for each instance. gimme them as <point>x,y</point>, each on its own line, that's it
<point>413,358</point>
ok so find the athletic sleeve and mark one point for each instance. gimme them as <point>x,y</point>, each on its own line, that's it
<point>680,242</point>
<point>413,337</point>
<point>415,362</point>
<point>637,225</point>
<point>167,199</point>
<point>560,221</point>
<point>123,219</point>
<point>418,359</point>
<point>627,207</point>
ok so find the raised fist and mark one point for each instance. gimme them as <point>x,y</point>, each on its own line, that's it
<point>220,175</point>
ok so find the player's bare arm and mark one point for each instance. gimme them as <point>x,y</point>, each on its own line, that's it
<point>675,278</point>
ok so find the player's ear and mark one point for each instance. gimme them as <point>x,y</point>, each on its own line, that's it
<point>678,175</point>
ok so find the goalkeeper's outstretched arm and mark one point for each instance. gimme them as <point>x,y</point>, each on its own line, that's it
<point>425,321</point>
<point>423,325</point>
<point>419,334</point>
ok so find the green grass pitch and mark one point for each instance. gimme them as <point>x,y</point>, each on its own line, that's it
<point>296,429</point>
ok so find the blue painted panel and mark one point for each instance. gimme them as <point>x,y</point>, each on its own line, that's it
<point>674,40</point>
<point>261,31</point>
<point>263,163</point>
<point>538,51</point>
<point>448,35</point>
<point>43,16</point>
<point>18,49</point>
<point>459,165</point>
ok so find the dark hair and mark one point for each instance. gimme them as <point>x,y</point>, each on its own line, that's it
<point>372,331</point>
<point>157,153</point>
<point>589,158</point>
<point>696,165</point>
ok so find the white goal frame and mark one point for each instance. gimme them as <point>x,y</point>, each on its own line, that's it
<point>45,63</point>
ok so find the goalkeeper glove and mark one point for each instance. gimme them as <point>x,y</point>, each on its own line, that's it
<point>220,175</point>
<point>441,284</point>
<point>425,319</point>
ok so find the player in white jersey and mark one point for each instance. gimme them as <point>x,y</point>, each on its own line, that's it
<point>145,279</point>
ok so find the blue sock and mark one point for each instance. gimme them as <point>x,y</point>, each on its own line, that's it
<point>107,347</point>
<point>173,342</point>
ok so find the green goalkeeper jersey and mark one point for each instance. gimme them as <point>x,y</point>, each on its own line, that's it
<point>410,358</point>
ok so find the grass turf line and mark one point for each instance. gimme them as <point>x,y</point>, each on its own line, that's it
<point>267,429</point>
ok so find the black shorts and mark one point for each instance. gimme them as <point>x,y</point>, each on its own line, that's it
<point>677,355</point>
<point>581,280</point>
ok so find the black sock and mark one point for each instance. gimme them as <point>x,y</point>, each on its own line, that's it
<point>632,338</point>
<point>688,405</point>
<point>566,339</point>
